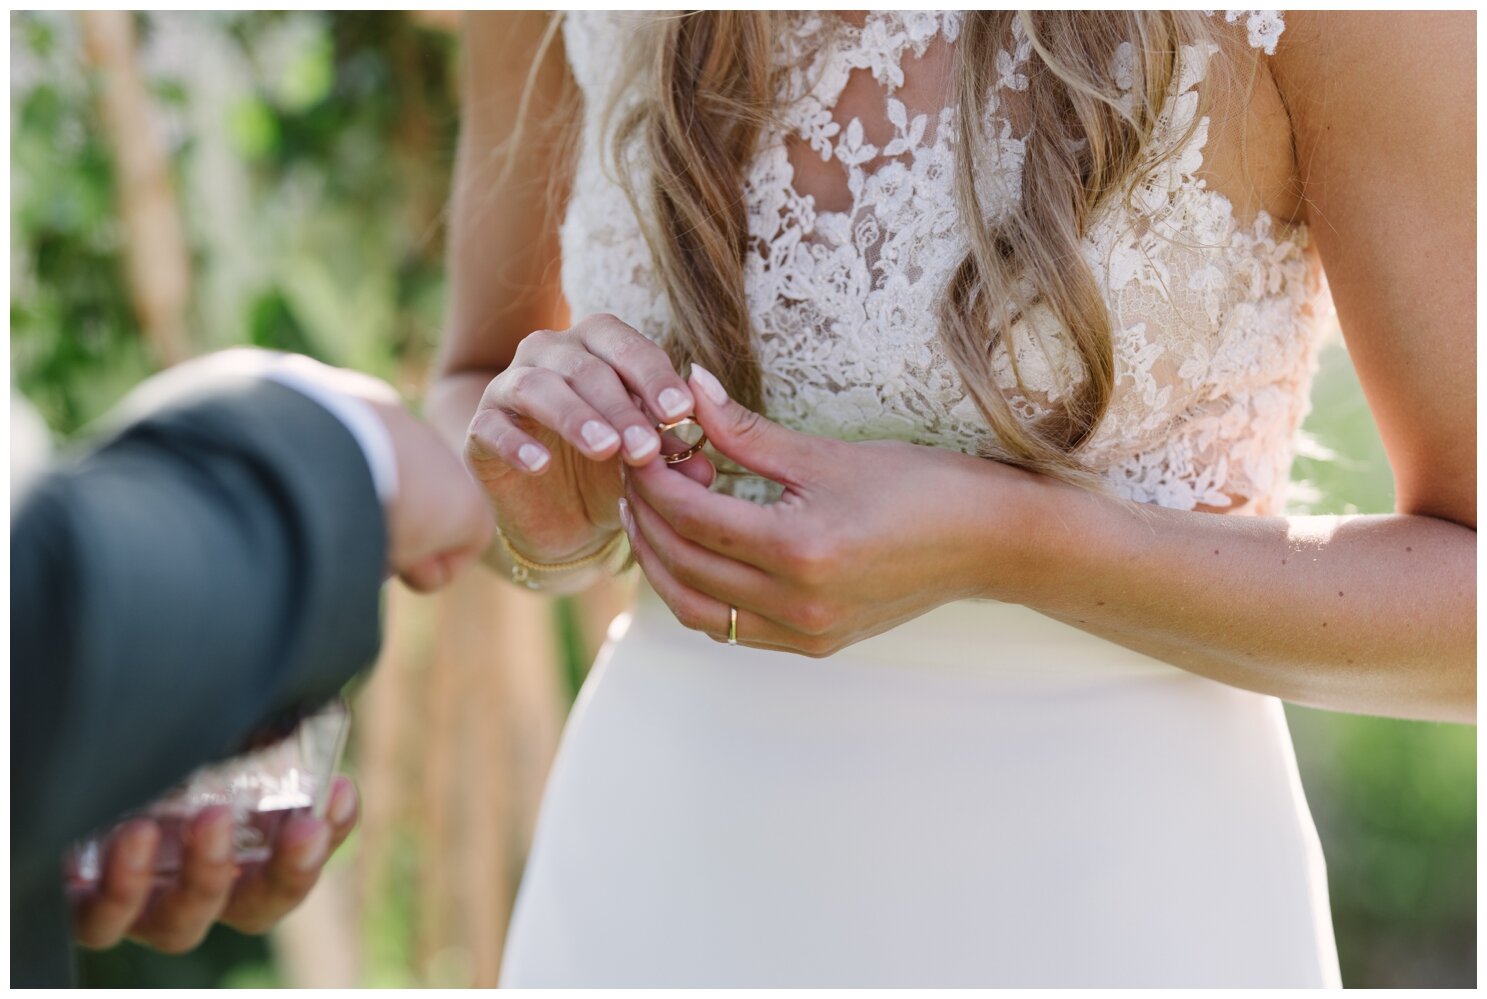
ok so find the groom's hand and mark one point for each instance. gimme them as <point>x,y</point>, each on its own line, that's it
<point>175,917</point>
<point>439,519</point>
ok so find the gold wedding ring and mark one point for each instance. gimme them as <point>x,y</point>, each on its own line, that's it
<point>732,625</point>
<point>681,456</point>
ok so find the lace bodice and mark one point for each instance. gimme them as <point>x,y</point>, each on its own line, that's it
<point>1214,320</point>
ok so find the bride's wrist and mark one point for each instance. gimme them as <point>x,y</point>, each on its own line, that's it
<point>539,569</point>
<point>1062,538</point>
<point>1027,524</point>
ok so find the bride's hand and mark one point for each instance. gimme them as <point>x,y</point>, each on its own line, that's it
<point>552,429</point>
<point>866,536</point>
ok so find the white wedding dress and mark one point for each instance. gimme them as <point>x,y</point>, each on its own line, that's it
<point>983,796</point>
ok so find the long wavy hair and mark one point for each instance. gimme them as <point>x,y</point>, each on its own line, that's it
<point>700,87</point>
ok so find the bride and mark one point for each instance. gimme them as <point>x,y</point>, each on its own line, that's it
<point>960,657</point>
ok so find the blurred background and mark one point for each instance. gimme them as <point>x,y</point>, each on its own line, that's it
<point>183,182</point>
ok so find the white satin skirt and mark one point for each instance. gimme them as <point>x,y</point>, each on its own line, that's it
<point>981,797</point>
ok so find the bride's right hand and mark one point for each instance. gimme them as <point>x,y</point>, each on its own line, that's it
<point>550,432</point>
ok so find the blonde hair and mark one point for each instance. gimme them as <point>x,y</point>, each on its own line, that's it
<point>700,88</point>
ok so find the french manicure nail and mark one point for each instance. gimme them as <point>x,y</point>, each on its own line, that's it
<point>709,384</point>
<point>640,442</point>
<point>534,457</point>
<point>674,403</point>
<point>625,513</point>
<point>314,849</point>
<point>597,436</point>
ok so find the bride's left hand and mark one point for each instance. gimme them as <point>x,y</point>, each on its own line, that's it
<point>866,535</point>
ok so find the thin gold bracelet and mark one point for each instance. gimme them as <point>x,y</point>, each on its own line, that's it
<point>523,567</point>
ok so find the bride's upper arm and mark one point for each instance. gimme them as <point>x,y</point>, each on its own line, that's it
<point>1383,111</point>
<point>505,207</point>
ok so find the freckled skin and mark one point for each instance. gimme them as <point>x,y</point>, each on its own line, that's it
<point>1357,119</point>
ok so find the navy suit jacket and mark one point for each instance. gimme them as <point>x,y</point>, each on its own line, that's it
<point>217,561</point>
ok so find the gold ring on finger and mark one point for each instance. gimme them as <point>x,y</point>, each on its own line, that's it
<point>681,456</point>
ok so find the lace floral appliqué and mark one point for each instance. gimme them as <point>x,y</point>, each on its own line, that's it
<point>1213,319</point>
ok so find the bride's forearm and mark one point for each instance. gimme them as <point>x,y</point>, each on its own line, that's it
<point>1371,614</point>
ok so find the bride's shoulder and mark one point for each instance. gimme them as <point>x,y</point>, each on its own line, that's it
<point>1338,83</point>
<point>1408,62</point>
<point>1291,37</point>
<point>1374,41</point>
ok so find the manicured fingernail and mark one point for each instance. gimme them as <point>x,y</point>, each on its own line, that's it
<point>343,805</point>
<point>597,436</point>
<point>674,403</point>
<point>216,839</point>
<point>709,384</point>
<point>641,442</point>
<point>625,514</point>
<point>534,457</point>
<point>314,849</point>
<point>139,848</point>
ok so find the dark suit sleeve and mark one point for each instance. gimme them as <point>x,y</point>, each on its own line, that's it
<point>218,561</point>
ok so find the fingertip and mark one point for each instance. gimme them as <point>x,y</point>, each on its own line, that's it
<point>302,847</point>
<point>642,445</point>
<point>343,802</point>
<point>138,840</point>
<point>707,384</point>
<point>479,444</point>
<point>674,403</point>
<point>599,439</point>
<point>213,815</point>
<point>313,849</point>
<point>299,830</point>
<point>533,458</point>
<point>211,834</point>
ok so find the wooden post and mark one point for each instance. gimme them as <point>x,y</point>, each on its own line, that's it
<point>454,736</point>
<point>157,263</point>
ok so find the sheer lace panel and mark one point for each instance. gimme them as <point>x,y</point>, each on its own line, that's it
<point>854,229</point>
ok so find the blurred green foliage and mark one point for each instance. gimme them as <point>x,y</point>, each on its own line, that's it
<point>74,345</point>
<point>312,153</point>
